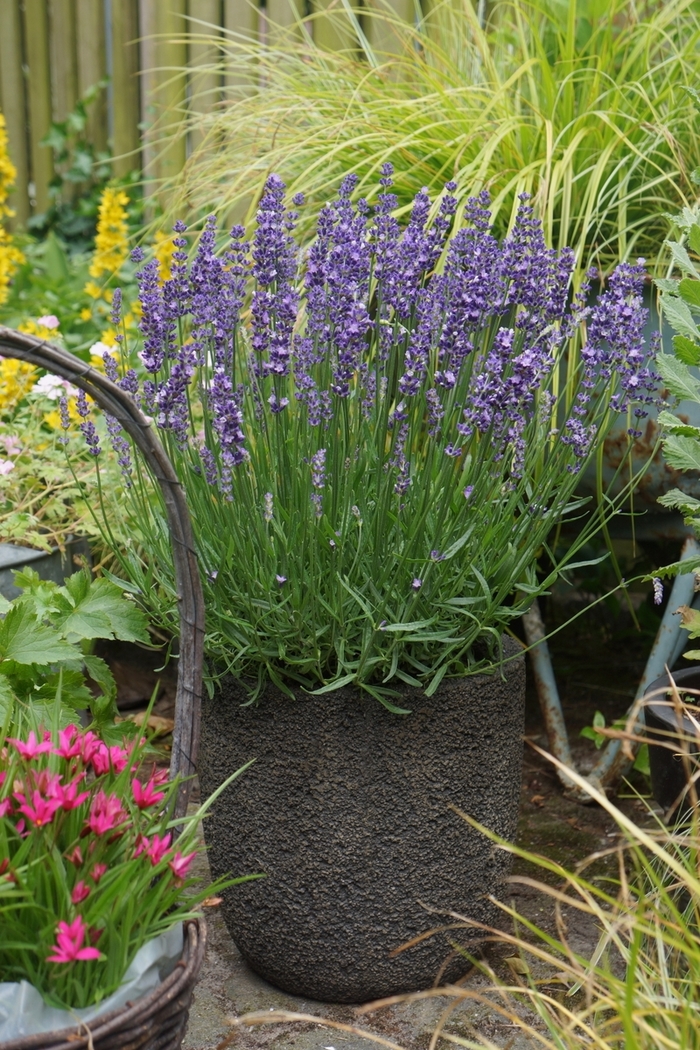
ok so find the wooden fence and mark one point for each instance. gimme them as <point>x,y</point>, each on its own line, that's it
<point>53,51</point>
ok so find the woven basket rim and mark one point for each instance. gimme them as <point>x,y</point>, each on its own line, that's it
<point>84,1035</point>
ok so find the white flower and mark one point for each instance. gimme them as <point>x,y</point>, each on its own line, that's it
<point>48,321</point>
<point>98,349</point>
<point>50,386</point>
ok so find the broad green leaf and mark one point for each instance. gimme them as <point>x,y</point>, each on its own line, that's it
<point>677,378</point>
<point>674,425</point>
<point>678,315</point>
<point>26,641</point>
<point>680,500</point>
<point>74,692</point>
<point>4,605</point>
<point>686,350</point>
<point>667,284</point>
<point>100,610</point>
<point>7,698</point>
<point>690,291</point>
<point>694,237</point>
<point>683,453</point>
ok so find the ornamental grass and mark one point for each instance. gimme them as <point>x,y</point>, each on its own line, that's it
<point>587,106</point>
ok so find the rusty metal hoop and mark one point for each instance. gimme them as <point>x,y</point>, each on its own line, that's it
<point>112,399</point>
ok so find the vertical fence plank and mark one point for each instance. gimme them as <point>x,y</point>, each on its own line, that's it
<point>204,61</point>
<point>36,39</point>
<point>332,29</point>
<point>125,86</point>
<point>12,84</point>
<point>380,34</point>
<point>148,84</point>
<point>92,65</point>
<point>241,18</point>
<point>171,59</point>
<point>64,81</point>
<point>283,14</point>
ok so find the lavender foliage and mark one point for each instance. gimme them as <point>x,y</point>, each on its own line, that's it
<point>380,428</point>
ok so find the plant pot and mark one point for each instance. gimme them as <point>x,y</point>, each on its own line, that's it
<point>666,767</point>
<point>53,565</point>
<point>347,810</point>
<point>155,1022</point>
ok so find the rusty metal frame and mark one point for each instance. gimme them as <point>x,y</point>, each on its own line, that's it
<point>668,645</point>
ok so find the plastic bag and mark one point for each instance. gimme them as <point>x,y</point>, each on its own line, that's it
<point>24,1012</point>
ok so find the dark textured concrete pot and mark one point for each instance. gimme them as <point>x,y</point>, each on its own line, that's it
<point>347,811</point>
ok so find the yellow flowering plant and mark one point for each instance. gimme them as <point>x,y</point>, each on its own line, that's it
<point>10,255</point>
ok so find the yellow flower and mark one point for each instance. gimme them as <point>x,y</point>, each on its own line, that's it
<point>85,314</point>
<point>109,337</point>
<point>53,419</point>
<point>16,379</point>
<point>10,259</point>
<point>111,242</point>
<point>93,290</point>
<point>10,256</point>
<point>8,172</point>
<point>32,327</point>
<point>163,249</point>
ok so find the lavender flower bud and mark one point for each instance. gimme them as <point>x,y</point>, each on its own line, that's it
<point>267,509</point>
<point>417,584</point>
<point>658,590</point>
<point>281,580</point>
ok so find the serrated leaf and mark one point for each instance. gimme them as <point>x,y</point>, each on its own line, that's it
<point>674,425</point>
<point>26,641</point>
<point>682,259</point>
<point>694,237</point>
<point>690,620</point>
<point>683,453</point>
<point>686,350</point>
<point>100,610</point>
<point>667,284</point>
<point>7,699</point>
<point>677,378</point>
<point>74,692</point>
<point>689,290</point>
<point>4,605</point>
<point>678,315</point>
<point>100,673</point>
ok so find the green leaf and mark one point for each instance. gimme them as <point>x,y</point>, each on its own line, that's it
<point>690,291</point>
<point>667,421</point>
<point>677,378</point>
<point>100,610</point>
<point>694,238</point>
<point>26,641</point>
<point>7,698</point>
<point>682,259</point>
<point>678,315</point>
<point>686,350</point>
<point>692,654</point>
<point>683,453</point>
<point>100,673</point>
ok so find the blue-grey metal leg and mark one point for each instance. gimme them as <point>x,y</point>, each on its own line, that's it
<point>668,645</point>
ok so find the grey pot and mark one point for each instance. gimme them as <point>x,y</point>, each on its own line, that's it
<point>347,811</point>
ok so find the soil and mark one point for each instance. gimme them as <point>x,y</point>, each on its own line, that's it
<point>598,662</point>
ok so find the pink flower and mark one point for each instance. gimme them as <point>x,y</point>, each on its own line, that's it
<point>97,872</point>
<point>158,848</point>
<point>90,744</point>
<point>68,794</point>
<point>39,810</point>
<point>180,865</point>
<point>75,856</point>
<point>106,813</point>
<point>141,845</point>
<point>12,444</point>
<point>5,807</point>
<point>69,943</point>
<point>80,891</point>
<point>146,796</point>
<point>48,321</point>
<point>6,466</point>
<point>106,758</point>
<point>32,747</point>
<point>70,744</point>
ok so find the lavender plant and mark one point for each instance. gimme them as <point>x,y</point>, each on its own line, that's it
<point>375,449</point>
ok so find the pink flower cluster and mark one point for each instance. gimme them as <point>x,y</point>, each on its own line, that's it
<point>76,794</point>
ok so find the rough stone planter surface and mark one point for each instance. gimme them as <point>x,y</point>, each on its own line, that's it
<point>347,811</point>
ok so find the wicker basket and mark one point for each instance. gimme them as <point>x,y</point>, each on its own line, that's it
<point>157,1021</point>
